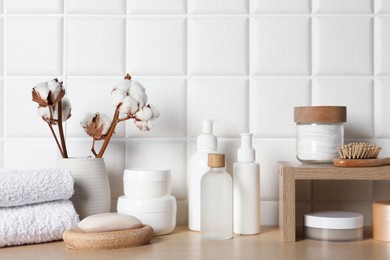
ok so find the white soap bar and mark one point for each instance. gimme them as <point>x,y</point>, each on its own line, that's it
<point>109,222</point>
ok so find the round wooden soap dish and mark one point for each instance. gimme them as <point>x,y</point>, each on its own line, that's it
<point>79,240</point>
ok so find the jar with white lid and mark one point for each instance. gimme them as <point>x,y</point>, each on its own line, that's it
<point>340,226</point>
<point>319,131</point>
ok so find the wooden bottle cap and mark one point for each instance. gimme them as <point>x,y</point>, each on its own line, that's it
<point>216,160</point>
<point>320,114</point>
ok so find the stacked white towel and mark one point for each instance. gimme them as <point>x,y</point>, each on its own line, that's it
<point>35,206</point>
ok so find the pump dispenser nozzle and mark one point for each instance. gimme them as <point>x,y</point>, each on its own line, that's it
<point>246,153</point>
<point>206,140</point>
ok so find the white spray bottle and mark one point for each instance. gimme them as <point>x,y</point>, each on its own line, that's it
<point>246,189</point>
<point>197,167</point>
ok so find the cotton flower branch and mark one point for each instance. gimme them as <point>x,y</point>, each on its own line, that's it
<point>128,97</point>
<point>53,108</point>
<point>130,101</point>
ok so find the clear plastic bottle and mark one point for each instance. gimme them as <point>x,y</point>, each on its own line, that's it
<point>246,189</point>
<point>197,167</point>
<point>216,201</point>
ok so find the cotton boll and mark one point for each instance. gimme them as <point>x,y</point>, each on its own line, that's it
<point>152,122</point>
<point>87,119</point>
<point>142,125</point>
<point>154,110</point>
<point>42,89</point>
<point>124,85</point>
<point>106,122</point>
<point>136,87</point>
<point>144,114</point>
<point>141,98</point>
<point>66,109</point>
<point>44,112</point>
<point>129,106</point>
<point>55,87</point>
<point>117,96</point>
<point>137,91</point>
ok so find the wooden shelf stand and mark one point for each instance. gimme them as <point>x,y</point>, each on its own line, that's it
<point>290,172</point>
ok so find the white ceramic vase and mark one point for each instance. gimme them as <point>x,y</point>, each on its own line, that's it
<point>91,186</point>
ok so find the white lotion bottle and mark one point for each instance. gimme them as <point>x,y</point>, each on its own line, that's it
<point>246,189</point>
<point>216,201</point>
<point>197,167</point>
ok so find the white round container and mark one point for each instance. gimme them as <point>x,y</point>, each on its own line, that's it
<point>334,226</point>
<point>146,183</point>
<point>159,213</point>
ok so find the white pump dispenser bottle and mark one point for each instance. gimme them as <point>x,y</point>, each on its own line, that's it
<point>197,167</point>
<point>246,189</point>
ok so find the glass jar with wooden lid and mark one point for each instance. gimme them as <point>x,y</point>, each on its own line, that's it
<point>319,131</point>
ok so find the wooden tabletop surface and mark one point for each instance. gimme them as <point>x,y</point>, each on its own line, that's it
<point>183,244</point>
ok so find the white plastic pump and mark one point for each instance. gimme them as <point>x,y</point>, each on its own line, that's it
<point>206,140</point>
<point>246,153</point>
<point>197,167</point>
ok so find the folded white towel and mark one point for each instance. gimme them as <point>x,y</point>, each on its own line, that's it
<point>19,188</point>
<point>36,223</point>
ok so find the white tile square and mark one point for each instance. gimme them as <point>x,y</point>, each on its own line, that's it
<point>225,100</point>
<point>1,6</point>
<point>218,6</point>
<point>114,158</point>
<point>157,46</point>
<point>357,95</point>
<point>2,98</point>
<point>27,154</point>
<point>154,154</point>
<point>1,46</point>
<point>269,152</point>
<point>276,119</point>
<point>157,7</point>
<point>341,190</point>
<point>34,46</point>
<point>281,46</point>
<point>218,46</point>
<point>21,118</point>
<point>382,108</point>
<point>172,122</point>
<point>269,213</point>
<point>382,6</point>
<point>96,46</point>
<point>342,6</point>
<point>281,6</point>
<point>382,46</point>
<point>342,45</point>
<point>96,6</point>
<point>90,95</point>
<point>34,6</point>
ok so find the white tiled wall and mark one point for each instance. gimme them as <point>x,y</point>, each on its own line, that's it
<point>246,63</point>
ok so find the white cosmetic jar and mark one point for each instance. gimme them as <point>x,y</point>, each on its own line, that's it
<point>146,183</point>
<point>159,213</point>
<point>341,226</point>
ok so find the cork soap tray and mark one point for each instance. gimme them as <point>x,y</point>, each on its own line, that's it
<point>79,240</point>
